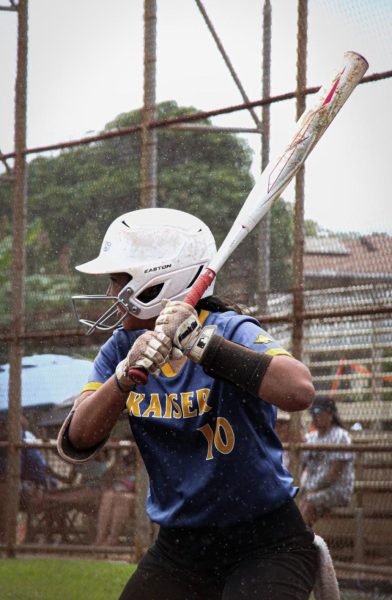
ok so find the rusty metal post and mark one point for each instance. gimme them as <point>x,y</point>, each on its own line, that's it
<point>264,229</point>
<point>148,158</point>
<point>144,532</point>
<point>227,60</point>
<point>18,284</point>
<point>298,258</point>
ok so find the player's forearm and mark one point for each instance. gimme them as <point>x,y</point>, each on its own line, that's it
<point>280,380</point>
<point>95,415</point>
<point>287,384</point>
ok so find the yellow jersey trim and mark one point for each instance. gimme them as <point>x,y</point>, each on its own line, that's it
<point>277,352</point>
<point>167,370</point>
<point>203,316</point>
<point>263,339</point>
<point>91,387</point>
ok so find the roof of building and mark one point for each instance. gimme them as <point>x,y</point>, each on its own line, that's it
<point>366,256</point>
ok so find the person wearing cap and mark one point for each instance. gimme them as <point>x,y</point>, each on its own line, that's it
<point>328,476</point>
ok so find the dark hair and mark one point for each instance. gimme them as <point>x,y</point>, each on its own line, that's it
<point>217,304</point>
<point>326,404</point>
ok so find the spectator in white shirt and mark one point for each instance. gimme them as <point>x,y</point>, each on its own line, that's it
<point>328,476</point>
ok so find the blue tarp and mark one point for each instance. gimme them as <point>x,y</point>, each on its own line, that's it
<point>47,379</point>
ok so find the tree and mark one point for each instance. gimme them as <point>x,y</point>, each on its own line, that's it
<point>281,270</point>
<point>75,195</point>
<point>79,192</point>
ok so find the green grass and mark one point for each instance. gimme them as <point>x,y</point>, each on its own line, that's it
<point>56,579</point>
<point>48,579</point>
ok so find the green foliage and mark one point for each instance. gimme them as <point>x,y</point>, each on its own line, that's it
<point>311,228</point>
<point>281,245</point>
<point>47,299</point>
<point>47,579</point>
<point>35,244</point>
<point>5,257</point>
<point>75,195</point>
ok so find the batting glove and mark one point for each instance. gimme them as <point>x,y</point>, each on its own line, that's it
<point>180,322</point>
<point>150,351</point>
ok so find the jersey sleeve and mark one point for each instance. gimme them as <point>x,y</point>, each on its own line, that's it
<point>249,333</point>
<point>111,353</point>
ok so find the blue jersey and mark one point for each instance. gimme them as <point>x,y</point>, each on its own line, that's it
<point>210,449</point>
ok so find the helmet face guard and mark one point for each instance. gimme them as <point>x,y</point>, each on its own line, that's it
<point>108,320</point>
<point>162,250</point>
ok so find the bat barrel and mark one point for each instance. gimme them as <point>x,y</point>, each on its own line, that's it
<point>278,174</point>
<point>330,98</point>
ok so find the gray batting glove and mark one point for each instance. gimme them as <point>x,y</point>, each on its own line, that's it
<point>150,351</point>
<point>180,322</point>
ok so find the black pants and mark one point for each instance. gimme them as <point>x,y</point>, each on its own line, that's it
<point>271,558</point>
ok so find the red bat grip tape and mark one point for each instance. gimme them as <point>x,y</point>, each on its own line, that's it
<point>201,284</point>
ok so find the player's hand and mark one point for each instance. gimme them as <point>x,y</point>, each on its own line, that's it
<point>180,323</point>
<point>150,351</point>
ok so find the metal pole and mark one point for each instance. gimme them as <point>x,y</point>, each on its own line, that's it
<point>298,259</point>
<point>148,159</point>
<point>195,116</point>
<point>227,61</point>
<point>18,284</point>
<point>148,198</point>
<point>298,252</point>
<point>264,234</point>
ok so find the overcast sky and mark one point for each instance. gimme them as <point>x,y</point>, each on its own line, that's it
<point>86,67</point>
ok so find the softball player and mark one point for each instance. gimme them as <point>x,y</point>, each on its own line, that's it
<point>204,422</point>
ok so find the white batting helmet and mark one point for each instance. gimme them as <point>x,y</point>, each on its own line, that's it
<point>163,251</point>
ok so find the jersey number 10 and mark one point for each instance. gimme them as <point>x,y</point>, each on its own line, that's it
<point>223,439</point>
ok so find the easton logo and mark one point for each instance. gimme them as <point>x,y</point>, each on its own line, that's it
<point>160,268</point>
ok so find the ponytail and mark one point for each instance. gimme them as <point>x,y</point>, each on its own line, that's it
<point>217,304</point>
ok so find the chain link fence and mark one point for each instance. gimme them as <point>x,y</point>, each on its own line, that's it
<point>344,323</point>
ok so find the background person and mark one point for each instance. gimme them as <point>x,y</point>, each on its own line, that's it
<point>328,479</point>
<point>282,428</point>
<point>36,477</point>
<point>114,515</point>
<point>204,422</point>
<point>117,504</point>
